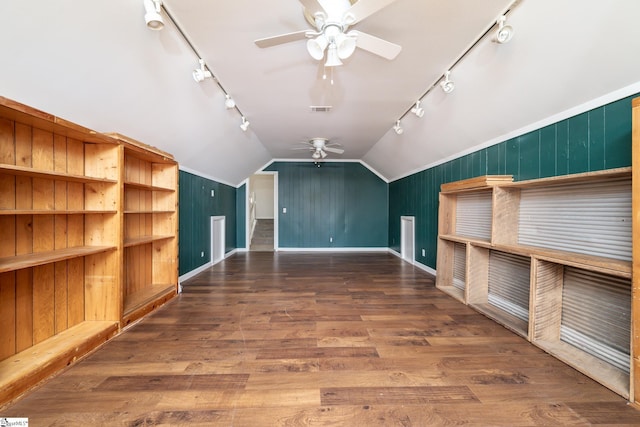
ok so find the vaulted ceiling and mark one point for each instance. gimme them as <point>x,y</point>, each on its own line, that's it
<point>96,63</point>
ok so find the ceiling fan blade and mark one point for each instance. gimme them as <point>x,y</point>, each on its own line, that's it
<point>365,8</point>
<point>282,38</point>
<point>376,45</point>
<point>334,150</point>
<point>312,6</point>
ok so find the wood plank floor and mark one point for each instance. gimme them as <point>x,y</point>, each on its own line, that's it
<point>283,339</point>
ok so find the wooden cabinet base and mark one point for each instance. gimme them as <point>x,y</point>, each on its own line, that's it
<point>26,369</point>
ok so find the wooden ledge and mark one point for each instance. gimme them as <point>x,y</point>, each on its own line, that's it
<point>27,368</point>
<point>477,183</point>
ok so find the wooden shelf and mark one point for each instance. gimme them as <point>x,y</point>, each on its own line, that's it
<point>148,212</point>
<point>40,258</point>
<point>148,187</point>
<point>524,212</point>
<point>462,239</point>
<point>510,322</point>
<point>36,173</point>
<point>29,367</point>
<point>135,241</point>
<point>53,212</point>
<point>589,365</point>
<point>142,302</point>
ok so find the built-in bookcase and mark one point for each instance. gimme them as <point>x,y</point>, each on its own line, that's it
<point>59,252</point>
<point>88,240</point>
<point>150,182</point>
<point>550,259</point>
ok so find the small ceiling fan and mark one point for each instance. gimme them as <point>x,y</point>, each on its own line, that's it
<point>320,147</point>
<point>332,19</point>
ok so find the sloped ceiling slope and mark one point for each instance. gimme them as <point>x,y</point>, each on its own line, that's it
<point>95,63</point>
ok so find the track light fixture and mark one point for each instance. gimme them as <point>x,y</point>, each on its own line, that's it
<point>152,15</point>
<point>245,124</point>
<point>447,85</point>
<point>504,32</point>
<point>201,73</point>
<point>418,110</point>
<point>229,103</point>
<point>398,128</point>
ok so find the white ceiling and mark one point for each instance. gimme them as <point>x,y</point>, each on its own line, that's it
<point>95,63</point>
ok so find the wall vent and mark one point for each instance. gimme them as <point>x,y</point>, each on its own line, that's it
<point>320,108</point>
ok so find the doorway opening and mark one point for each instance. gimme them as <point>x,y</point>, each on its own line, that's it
<point>407,238</point>
<point>217,239</point>
<point>262,212</point>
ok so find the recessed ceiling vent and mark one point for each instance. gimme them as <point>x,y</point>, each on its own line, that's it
<point>320,108</point>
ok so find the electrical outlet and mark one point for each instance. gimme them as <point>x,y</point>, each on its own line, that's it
<point>424,253</point>
<point>284,210</point>
<point>213,193</point>
<point>202,254</point>
<point>330,239</point>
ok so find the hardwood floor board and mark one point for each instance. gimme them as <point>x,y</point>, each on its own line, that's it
<point>256,399</point>
<point>314,317</point>
<point>328,379</point>
<point>599,413</point>
<point>475,340</point>
<point>163,383</point>
<point>549,392</point>
<point>316,352</point>
<point>396,395</point>
<point>346,339</point>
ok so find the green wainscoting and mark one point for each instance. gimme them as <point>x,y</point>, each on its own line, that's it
<point>596,140</point>
<point>241,216</point>
<point>339,204</point>
<point>195,211</point>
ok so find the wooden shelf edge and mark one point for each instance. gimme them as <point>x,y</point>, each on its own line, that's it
<point>610,266</point>
<point>141,150</point>
<point>148,187</point>
<point>574,178</point>
<point>136,241</point>
<point>453,292</point>
<point>463,239</point>
<point>45,121</point>
<point>40,258</point>
<point>35,173</point>
<point>26,369</point>
<point>148,212</point>
<point>607,375</point>
<point>140,303</point>
<point>507,320</point>
<point>477,183</point>
<point>52,212</point>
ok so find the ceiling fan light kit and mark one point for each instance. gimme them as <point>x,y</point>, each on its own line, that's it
<point>152,16</point>
<point>331,20</point>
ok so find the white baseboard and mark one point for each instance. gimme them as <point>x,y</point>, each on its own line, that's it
<point>414,262</point>
<point>332,249</point>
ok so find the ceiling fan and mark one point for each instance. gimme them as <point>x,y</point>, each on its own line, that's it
<point>332,19</point>
<point>320,147</point>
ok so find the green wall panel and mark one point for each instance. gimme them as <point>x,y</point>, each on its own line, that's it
<point>345,202</point>
<point>196,209</point>
<point>596,140</point>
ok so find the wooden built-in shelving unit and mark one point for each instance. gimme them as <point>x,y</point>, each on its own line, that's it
<point>74,267</point>
<point>549,259</point>
<point>150,182</point>
<point>59,257</point>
